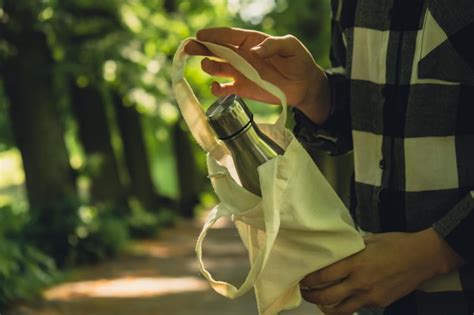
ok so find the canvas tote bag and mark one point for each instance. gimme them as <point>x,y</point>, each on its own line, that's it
<point>298,225</point>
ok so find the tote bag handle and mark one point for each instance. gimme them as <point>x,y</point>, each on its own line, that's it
<point>196,120</point>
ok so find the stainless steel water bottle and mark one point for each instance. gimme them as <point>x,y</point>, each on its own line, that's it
<point>233,123</point>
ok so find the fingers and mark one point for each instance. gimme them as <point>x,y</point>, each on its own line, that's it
<point>223,89</point>
<point>325,276</point>
<point>348,306</point>
<point>329,296</point>
<point>240,85</point>
<point>244,89</point>
<point>229,36</point>
<point>196,49</point>
<point>220,69</point>
<point>284,46</point>
<point>217,68</point>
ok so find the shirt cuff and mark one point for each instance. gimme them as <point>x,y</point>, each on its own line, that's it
<point>457,227</point>
<point>335,135</point>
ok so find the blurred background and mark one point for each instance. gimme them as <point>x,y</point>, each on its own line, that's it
<point>96,164</point>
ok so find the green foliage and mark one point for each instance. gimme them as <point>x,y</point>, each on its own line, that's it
<point>24,269</point>
<point>87,235</point>
<point>99,234</point>
<point>50,229</point>
<point>308,20</point>
<point>145,224</point>
<point>142,224</point>
<point>103,239</point>
<point>125,47</point>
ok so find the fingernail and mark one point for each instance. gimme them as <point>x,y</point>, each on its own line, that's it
<point>258,49</point>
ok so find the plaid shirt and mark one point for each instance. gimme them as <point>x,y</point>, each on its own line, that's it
<point>402,87</point>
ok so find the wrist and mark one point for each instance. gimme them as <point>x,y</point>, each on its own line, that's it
<point>440,257</point>
<point>316,104</point>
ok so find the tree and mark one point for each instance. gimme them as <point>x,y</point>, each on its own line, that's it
<point>107,187</point>
<point>186,170</point>
<point>136,157</point>
<point>37,129</point>
<point>83,29</point>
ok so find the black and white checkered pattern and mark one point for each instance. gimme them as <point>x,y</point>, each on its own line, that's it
<point>403,99</point>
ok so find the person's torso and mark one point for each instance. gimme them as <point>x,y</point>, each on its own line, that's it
<point>412,108</point>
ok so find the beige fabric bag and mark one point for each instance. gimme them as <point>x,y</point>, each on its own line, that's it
<point>298,226</point>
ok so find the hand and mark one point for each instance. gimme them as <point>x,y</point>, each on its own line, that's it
<point>391,266</point>
<point>283,61</point>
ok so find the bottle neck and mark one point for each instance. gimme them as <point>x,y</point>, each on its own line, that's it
<point>251,141</point>
<point>245,138</point>
<point>241,132</point>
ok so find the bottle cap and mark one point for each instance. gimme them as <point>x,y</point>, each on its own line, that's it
<point>228,116</point>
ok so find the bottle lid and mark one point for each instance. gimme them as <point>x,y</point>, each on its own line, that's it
<point>228,116</point>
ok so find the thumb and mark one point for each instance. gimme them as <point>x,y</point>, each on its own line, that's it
<point>283,46</point>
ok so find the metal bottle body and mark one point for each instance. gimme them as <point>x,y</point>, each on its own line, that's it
<point>233,123</point>
<point>251,148</point>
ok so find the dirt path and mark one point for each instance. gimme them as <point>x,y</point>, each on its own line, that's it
<point>158,277</point>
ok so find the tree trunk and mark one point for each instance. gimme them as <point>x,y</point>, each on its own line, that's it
<point>94,132</point>
<point>186,170</point>
<point>136,157</point>
<point>38,133</point>
<point>170,6</point>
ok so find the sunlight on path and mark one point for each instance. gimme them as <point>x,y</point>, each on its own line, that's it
<point>126,287</point>
<point>158,277</point>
